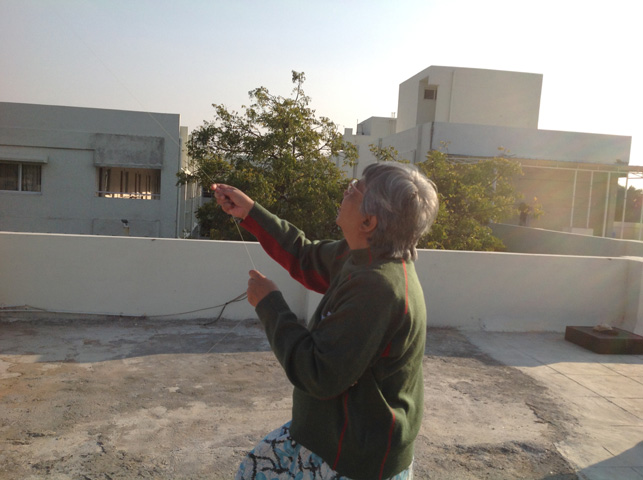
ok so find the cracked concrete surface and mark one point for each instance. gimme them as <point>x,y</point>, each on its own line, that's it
<point>118,399</point>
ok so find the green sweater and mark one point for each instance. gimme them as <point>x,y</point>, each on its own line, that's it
<point>357,367</point>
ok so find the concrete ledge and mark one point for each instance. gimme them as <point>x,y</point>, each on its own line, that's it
<point>614,342</point>
<point>181,279</point>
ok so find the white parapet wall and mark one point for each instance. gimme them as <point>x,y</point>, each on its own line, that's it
<point>130,276</point>
<point>523,292</point>
<point>174,278</point>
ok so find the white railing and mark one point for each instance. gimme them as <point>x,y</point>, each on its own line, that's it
<point>133,195</point>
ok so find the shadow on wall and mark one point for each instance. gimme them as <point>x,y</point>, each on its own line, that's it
<point>548,242</point>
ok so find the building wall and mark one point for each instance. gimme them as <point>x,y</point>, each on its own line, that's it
<point>485,141</point>
<point>489,97</point>
<point>189,196</point>
<point>173,278</point>
<point>377,127</point>
<point>478,114</point>
<point>71,144</point>
<point>468,95</point>
<point>524,143</point>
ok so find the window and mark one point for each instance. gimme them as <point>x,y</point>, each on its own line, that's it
<point>430,94</point>
<point>20,177</point>
<point>140,183</point>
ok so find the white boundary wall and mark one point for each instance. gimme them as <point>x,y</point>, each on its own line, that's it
<point>174,278</point>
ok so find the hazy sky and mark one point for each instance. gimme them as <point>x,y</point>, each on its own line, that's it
<point>182,56</point>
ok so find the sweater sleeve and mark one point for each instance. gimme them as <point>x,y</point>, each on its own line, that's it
<point>311,263</point>
<point>327,360</point>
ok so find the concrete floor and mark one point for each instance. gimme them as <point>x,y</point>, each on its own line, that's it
<point>602,395</point>
<point>603,392</point>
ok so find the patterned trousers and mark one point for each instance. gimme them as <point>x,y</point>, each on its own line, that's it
<point>279,457</point>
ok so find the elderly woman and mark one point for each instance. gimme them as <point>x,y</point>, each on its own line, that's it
<point>357,367</point>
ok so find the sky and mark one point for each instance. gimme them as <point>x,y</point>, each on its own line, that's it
<point>183,56</point>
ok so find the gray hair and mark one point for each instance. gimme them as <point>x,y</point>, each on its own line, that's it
<point>405,203</point>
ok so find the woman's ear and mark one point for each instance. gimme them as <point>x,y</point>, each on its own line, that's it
<point>369,224</point>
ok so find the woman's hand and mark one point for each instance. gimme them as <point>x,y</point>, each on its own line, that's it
<point>232,200</point>
<point>258,287</point>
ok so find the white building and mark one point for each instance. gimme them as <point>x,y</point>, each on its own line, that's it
<point>472,113</point>
<point>110,172</point>
<point>91,171</point>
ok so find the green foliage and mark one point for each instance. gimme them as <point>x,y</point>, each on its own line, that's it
<point>632,206</point>
<point>280,154</point>
<point>385,154</point>
<point>472,195</point>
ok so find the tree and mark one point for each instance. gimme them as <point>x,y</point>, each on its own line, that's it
<point>471,195</point>
<point>279,153</point>
<point>633,205</point>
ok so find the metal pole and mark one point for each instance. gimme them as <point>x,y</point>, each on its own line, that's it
<point>624,204</point>
<point>607,198</point>
<point>589,202</point>
<point>571,219</point>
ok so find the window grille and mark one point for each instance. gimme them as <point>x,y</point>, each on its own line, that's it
<point>115,183</point>
<point>430,94</point>
<point>20,177</point>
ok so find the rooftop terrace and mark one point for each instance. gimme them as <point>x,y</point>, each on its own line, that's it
<point>138,398</point>
<point>109,370</point>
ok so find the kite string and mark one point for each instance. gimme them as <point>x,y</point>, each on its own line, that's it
<point>150,114</point>
<point>236,224</point>
<point>178,143</point>
<point>245,245</point>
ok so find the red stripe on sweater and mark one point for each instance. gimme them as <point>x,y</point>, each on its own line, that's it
<point>388,446</point>
<point>344,254</point>
<point>310,279</point>
<point>344,427</point>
